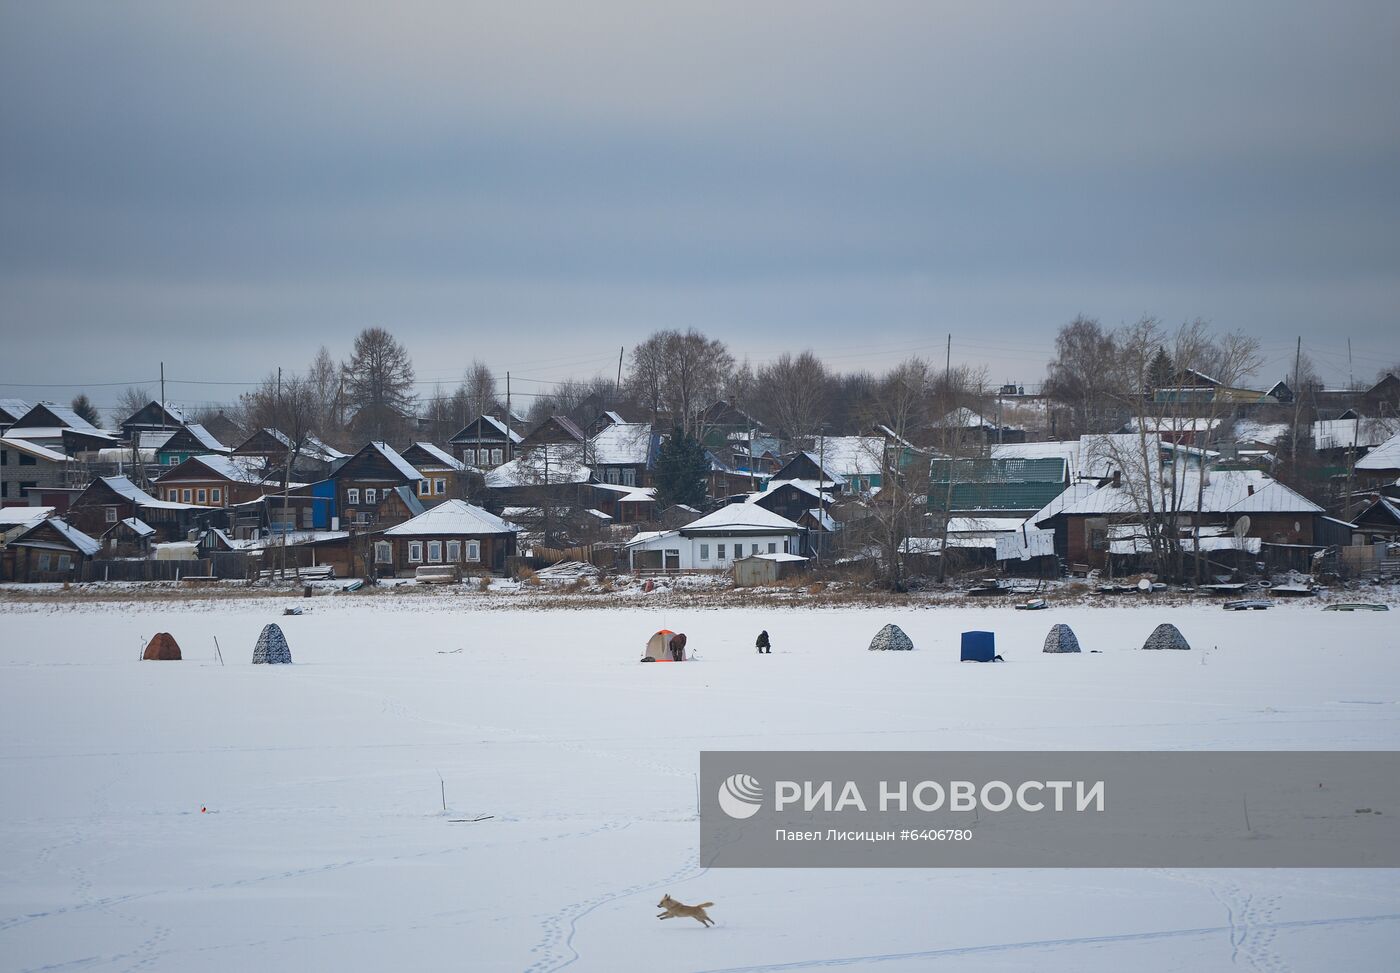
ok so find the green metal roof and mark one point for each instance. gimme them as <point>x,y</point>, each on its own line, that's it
<point>996,484</point>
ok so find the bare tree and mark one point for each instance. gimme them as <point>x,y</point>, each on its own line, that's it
<point>131,400</point>
<point>679,373</point>
<point>796,392</point>
<point>1083,375</point>
<point>479,389</point>
<point>379,383</point>
<point>324,378</point>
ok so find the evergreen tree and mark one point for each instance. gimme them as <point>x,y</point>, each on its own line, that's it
<point>680,471</point>
<point>83,406</point>
<point>1159,370</point>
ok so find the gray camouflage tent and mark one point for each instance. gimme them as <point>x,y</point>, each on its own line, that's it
<point>891,638</point>
<point>272,648</point>
<point>1166,636</point>
<point>1061,639</point>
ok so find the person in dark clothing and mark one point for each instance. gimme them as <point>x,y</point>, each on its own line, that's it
<point>678,647</point>
<point>763,644</point>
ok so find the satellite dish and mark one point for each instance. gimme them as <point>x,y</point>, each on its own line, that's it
<point>1242,526</point>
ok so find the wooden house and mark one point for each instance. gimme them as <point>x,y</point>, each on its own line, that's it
<point>11,411</point>
<point>110,499</point>
<point>445,477</point>
<point>153,417</point>
<point>128,538</point>
<point>452,533</point>
<point>552,431</point>
<point>623,453</point>
<point>363,480</point>
<point>51,550</point>
<point>187,441</point>
<point>214,481</point>
<point>485,443</point>
<point>59,427</point>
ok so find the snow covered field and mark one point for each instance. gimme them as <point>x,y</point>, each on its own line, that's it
<point>325,845</point>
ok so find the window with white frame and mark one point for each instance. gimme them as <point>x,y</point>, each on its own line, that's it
<point>44,561</point>
<point>352,495</point>
<point>454,551</point>
<point>185,496</point>
<point>773,548</point>
<point>201,495</point>
<point>415,551</point>
<point>497,456</point>
<point>719,551</point>
<point>440,486</point>
<point>422,488</point>
<point>614,475</point>
<point>469,457</point>
<point>383,552</point>
<point>435,551</point>
<point>629,477</point>
<point>704,552</point>
<point>370,495</point>
<point>216,495</point>
<point>172,494</point>
<point>473,551</point>
<point>64,562</point>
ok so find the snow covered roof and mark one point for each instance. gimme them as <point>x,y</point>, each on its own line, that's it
<point>1224,492</point>
<point>850,455</point>
<point>319,449</point>
<point>443,457</point>
<point>808,487</point>
<point>453,517</point>
<point>641,495</point>
<point>204,437</point>
<point>1170,424</point>
<point>983,525</point>
<point>70,418</point>
<point>498,425</point>
<point>1253,431</point>
<point>153,438</point>
<point>740,516</point>
<point>34,449</point>
<point>1383,458</point>
<point>553,463</point>
<point>11,516</point>
<point>123,486</point>
<point>77,538</point>
<point>15,407</point>
<point>231,468</point>
<point>823,517</point>
<point>780,556</point>
<point>138,526</point>
<point>398,462</point>
<point>622,443</point>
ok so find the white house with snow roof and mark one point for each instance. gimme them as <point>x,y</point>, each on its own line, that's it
<point>717,540</point>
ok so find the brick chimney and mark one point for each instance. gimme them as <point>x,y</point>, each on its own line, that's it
<point>1251,489</point>
<point>1118,479</point>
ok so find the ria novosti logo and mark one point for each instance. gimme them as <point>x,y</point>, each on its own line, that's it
<point>740,796</point>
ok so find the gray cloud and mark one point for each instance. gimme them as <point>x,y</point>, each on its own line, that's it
<point>238,185</point>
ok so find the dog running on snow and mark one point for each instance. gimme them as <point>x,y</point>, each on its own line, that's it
<point>673,909</point>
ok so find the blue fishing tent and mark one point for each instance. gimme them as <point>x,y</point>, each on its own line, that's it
<point>979,646</point>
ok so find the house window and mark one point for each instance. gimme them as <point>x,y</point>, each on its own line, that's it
<point>629,477</point>
<point>614,475</point>
<point>216,495</point>
<point>473,551</point>
<point>369,496</point>
<point>201,495</point>
<point>383,552</point>
<point>111,515</point>
<point>44,561</point>
<point>4,457</point>
<point>440,486</point>
<point>363,517</point>
<point>422,488</point>
<point>454,551</point>
<point>172,494</point>
<point>1098,539</point>
<point>469,457</point>
<point>772,548</point>
<point>185,495</point>
<point>26,460</point>
<point>719,551</point>
<point>415,552</point>
<point>704,552</point>
<point>64,562</point>
<point>4,488</point>
<point>352,496</point>
<point>497,457</point>
<point>172,460</point>
<point>435,551</point>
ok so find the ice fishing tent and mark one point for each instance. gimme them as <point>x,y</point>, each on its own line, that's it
<point>891,638</point>
<point>1166,636</point>
<point>979,647</point>
<point>659,646</point>
<point>162,647</point>
<point>1061,639</point>
<point>272,647</point>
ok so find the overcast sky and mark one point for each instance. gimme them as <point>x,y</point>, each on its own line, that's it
<point>229,186</point>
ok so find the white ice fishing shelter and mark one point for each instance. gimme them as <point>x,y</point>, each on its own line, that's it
<point>659,646</point>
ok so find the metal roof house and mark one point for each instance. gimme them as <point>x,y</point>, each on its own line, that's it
<point>987,486</point>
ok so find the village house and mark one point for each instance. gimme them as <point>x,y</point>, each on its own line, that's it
<point>128,538</point>
<point>989,487</point>
<point>11,411</point>
<point>365,479</point>
<point>26,469</point>
<point>51,550</point>
<point>444,476</point>
<point>154,417</point>
<point>60,428</point>
<point>623,453</point>
<point>313,459</point>
<point>485,443</point>
<point>453,532</point>
<point>110,499</point>
<point>214,481</point>
<point>716,541</point>
<point>187,441</point>
<point>555,430</point>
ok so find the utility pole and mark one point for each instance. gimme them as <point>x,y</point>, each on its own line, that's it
<point>162,395</point>
<point>509,453</point>
<point>1297,400</point>
<point>617,387</point>
<point>948,359</point>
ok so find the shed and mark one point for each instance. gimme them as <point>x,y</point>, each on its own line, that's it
<point>761,569</point>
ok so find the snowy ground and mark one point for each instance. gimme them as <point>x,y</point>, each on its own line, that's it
<point>325,845</point>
